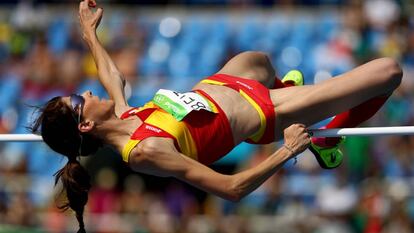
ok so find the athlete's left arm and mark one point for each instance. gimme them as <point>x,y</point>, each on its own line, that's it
<point>154,160</point>
<point>159,158</point>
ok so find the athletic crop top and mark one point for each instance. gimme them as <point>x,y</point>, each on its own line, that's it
<point>201,135</point>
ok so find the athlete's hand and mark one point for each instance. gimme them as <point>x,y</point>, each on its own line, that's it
<point>297,138</point>
<point>89,20</point>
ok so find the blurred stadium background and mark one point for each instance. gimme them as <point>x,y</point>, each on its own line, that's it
<point>172,44</point>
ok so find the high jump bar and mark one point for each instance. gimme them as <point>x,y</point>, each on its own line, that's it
<point>364,131</point>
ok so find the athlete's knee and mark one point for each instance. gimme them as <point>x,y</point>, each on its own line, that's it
<point>254,55</point>
<point>392,72</point>
<point>261,65</point>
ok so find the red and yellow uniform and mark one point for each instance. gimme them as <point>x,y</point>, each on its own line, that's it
<point>202,135</point>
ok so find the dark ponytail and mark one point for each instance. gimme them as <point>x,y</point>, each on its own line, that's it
<point>76,184</point>
<point>58,127</point>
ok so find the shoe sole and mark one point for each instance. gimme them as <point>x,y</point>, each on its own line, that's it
<point>320,160</point>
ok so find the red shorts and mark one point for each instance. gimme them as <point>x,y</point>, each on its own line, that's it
<point>258,96</point>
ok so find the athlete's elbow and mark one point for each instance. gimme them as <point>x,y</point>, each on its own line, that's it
<point>234,199</point>
<point>233,196</point>
<point>236,195</point>
<point>236,192</point>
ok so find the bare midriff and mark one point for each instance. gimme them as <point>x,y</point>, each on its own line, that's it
<point>243,118</point>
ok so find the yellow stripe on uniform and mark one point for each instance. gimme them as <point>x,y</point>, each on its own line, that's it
<point>208,81</point>
<point>178,129</point>
<point>210,103</point>
<point>131,144</point>
<point>257,135</point>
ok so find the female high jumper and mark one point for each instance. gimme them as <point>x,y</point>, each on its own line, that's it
<point>179,134</point>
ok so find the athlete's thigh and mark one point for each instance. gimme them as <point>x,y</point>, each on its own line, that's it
<point>312,103</point>
<point>251,65</point>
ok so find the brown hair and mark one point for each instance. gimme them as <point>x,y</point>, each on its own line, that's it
<point>58,127</point>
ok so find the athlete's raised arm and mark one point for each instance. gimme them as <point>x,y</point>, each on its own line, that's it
<point>109,75</point>
<point>155,158</point>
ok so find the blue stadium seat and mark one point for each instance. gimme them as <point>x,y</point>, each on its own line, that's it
<point>192,36</point>
<point>58,35</point>
<point>92,85</point>
<point>115,22</point>
<point>41,190</point>
<point>179,65</point>
<point>143,92</point>
<point>220,29</point>
<point>248,33</point>
<point>10,90</point>
<point>26,116</point>
<point>278,28</point>
<point>302,34</point>
<point>211,57</point>
<point>327,25</point>
<point>242,152</point>
<point>43,161</point>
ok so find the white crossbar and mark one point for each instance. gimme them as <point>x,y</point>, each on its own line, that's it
<point>20,138</point>
<point>367,131</point>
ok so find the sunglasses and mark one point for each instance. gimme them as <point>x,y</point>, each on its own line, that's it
<point>77,102</point>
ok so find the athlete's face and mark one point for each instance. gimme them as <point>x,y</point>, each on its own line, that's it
<point>89,107</point>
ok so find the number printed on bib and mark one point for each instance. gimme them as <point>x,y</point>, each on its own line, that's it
<point>179,104</point>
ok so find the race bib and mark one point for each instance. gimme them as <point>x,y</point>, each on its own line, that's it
<point>179,104</point>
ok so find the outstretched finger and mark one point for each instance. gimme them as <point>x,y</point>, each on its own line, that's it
<point>98,15</point>
<point>99,12</point>
<point>83,4</point>
<point>92,3</point>
<point>87,3</point>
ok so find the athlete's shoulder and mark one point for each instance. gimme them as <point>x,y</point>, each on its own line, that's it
<point>154,145</point>
<point>140,153</point>
<point>152,156</point>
